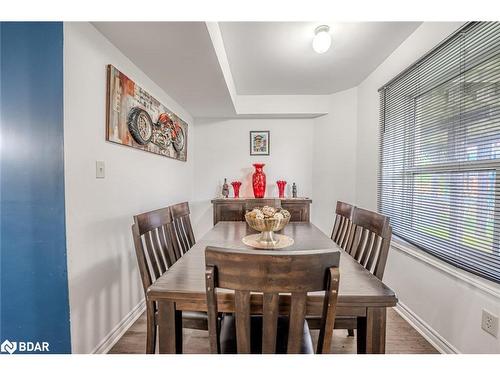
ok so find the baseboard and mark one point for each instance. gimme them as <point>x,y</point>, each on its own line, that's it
<point>434,338</point>
<point>110,340</point>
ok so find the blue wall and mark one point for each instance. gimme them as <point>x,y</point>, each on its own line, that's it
<point>33,273</point>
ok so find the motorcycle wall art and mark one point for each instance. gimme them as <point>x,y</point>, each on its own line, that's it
<point>136,119</point>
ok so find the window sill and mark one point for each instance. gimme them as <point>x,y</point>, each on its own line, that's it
<point>486,286</point>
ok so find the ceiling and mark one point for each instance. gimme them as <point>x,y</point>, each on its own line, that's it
<point>197,66</point>
<point>180,58</point>
<point>277,58</point>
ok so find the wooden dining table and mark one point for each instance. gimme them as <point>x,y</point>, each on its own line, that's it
<point>182,287</point>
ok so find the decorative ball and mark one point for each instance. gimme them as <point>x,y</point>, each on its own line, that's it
<point>278,216</point>
<point>268,211</point>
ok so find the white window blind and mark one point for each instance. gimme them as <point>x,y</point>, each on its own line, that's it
<point>439,179</point>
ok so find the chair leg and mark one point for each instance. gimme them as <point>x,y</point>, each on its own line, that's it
<point>151,330</point>
<point>350,333</point>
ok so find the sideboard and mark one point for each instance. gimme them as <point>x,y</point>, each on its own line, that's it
<point>234,209</point>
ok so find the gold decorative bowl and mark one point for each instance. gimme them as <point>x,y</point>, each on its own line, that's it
<point>267,226</point>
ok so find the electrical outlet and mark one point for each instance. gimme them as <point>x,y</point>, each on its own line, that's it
<point>489,323</point>
<point>99,169</point>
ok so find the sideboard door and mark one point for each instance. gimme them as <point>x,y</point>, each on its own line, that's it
<point>229,211</point>
<point>299,211</point>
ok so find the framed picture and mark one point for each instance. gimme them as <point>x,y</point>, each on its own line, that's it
<point>136,119</point>
<point>259,142</point>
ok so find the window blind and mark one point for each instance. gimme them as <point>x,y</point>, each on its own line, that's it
<point>439,178</point>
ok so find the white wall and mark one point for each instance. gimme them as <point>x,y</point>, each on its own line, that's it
<point>222,149</point>
<point>104,284</point>
<point>438,297</point>
<point>334,158</point>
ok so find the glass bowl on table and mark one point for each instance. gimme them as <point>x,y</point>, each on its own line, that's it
<point>267,220</point>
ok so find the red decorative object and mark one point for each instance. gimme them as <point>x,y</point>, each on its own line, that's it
<point>236,188</point>
<point>259,181</point>
<point>281,188</point>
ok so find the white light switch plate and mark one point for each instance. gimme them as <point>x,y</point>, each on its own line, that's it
<point>99,169</point>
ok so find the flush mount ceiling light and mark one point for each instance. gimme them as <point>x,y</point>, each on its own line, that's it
<point>322,39</point>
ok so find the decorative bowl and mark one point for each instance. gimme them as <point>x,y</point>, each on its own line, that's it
<point>267,220</point>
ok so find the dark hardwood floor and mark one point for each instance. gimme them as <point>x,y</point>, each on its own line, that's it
<point>401,339</point>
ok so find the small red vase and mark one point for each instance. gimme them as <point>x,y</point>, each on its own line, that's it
<point>259,181</point>
<point>281,188</point>
<point>236,188</point>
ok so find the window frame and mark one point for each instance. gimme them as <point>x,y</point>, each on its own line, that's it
<point>410,171</point>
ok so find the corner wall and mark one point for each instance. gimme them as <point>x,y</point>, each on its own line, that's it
<point>334,158</point>
<point>104,282</point>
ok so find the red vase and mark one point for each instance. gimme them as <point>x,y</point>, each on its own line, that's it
<point>281,188</point>
<point>236,188</point>
<point>259,181</point>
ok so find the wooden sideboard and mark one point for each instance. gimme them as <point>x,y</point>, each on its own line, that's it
<point>234,209</point>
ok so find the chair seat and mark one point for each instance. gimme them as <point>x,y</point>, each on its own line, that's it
<point>195,320</point>
<point>194,315</point>
<point>341,322</point>
<point>228,336</point>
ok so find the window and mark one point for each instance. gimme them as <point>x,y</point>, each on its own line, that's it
<point>439,177</point>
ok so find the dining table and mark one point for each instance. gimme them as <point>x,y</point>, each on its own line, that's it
<point>182,287</point>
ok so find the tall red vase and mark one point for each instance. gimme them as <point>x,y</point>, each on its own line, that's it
<point>259,181</point>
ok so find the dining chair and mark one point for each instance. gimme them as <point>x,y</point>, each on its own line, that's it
<point>183,239</point>
<point>260,202</point>
<point>340,235</point>
<point>153,234</point>
<point>366,237</point>
<point>276,323</point>
<point>369,240</point>
<point>343,223</point>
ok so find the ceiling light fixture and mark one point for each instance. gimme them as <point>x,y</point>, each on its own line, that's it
<point>322,39</point>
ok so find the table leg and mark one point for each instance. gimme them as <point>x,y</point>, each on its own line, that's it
<point>371,331</point>
<point>361,335</point>
<point>169,328</point>
<point>178,331</point>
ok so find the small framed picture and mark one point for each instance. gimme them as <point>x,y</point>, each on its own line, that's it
<point>259,142</point>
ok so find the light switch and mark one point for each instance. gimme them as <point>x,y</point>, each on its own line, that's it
<point>99,169</point>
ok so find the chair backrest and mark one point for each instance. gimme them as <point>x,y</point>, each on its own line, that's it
<point>152,233</point>
<point>369,240</point>
<point>271,273</point>
<point>181,223</point>
<point>343,223</point>
<point>260,202</point>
